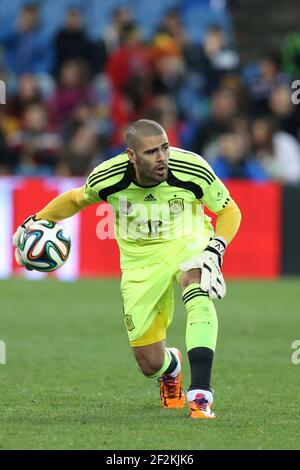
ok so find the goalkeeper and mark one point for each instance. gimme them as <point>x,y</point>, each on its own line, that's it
<point>158,193</point>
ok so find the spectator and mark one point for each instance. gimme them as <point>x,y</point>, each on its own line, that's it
<point>72,43</point>
<point>80,153</point>
<point>214,60</point>
<point>125,107</point>
<point>28,92</point>
<point>164,111</point>
<point>86,115</point>
<point>168,75</point>
<point>73,89</point>
<point>81,115</point>
<point>27,49</point>
<point>286,114</point>
<point>224,110</point>
<point>261,85</point>
<point>171,32</point>
<point>233,83</point>
<point>36,144</point>
<point>138,92</point>
<point>277,151</point>
<point>234,161</point>
<point>121,19</point>
<point>131,59</point>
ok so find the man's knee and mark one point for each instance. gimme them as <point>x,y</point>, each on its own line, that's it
<point>190,277</point>
<point>149,360</point>
<point>149,368</point>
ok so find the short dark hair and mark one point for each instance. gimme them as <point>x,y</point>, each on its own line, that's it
<point>142,128</point>
<point>30,6</point>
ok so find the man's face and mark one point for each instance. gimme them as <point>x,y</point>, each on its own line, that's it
<point>28,19</point>
<point>73,20</point>
<point>150,159</point>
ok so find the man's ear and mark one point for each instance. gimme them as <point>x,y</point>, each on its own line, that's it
<point>130,154</point>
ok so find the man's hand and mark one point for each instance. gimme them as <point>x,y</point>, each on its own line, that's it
<point>210,262</point>
<point>16,237</point>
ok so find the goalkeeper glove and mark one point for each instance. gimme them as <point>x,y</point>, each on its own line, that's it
<point>210,262</point>
<point>17,235</point>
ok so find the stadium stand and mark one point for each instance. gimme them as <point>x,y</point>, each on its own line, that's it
<point>85,72</point>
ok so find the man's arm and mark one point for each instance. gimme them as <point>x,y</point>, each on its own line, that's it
<point>228,222</point>
<point>69,203</point>
<point>63,206</point>
<point>217,199</point>
<point>210,260</point>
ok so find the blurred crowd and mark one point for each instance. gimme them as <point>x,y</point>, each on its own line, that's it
<point>70,98</point>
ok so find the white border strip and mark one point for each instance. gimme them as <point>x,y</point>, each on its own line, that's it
<point>6,229</point>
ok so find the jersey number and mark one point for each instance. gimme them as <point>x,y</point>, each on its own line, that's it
<point>154,226</point>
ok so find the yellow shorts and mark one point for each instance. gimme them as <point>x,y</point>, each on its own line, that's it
<point>148,294</point>
<point>148,302</point>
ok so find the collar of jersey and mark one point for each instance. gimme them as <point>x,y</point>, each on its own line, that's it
<point>139,185</point>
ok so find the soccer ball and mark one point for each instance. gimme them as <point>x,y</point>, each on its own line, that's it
<point>44,246</point>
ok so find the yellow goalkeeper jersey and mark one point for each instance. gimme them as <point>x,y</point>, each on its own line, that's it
<point>162,221</point>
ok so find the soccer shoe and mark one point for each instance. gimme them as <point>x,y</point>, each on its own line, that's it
<point>171,392</point>
<point>200,408</point>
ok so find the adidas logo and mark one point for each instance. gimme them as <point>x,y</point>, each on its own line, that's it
<point>149,198</point>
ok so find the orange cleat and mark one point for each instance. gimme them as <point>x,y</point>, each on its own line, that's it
<point>171,392</point>
<point>200,408</point>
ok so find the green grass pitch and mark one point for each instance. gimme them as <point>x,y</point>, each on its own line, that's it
<point>70,381</point>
